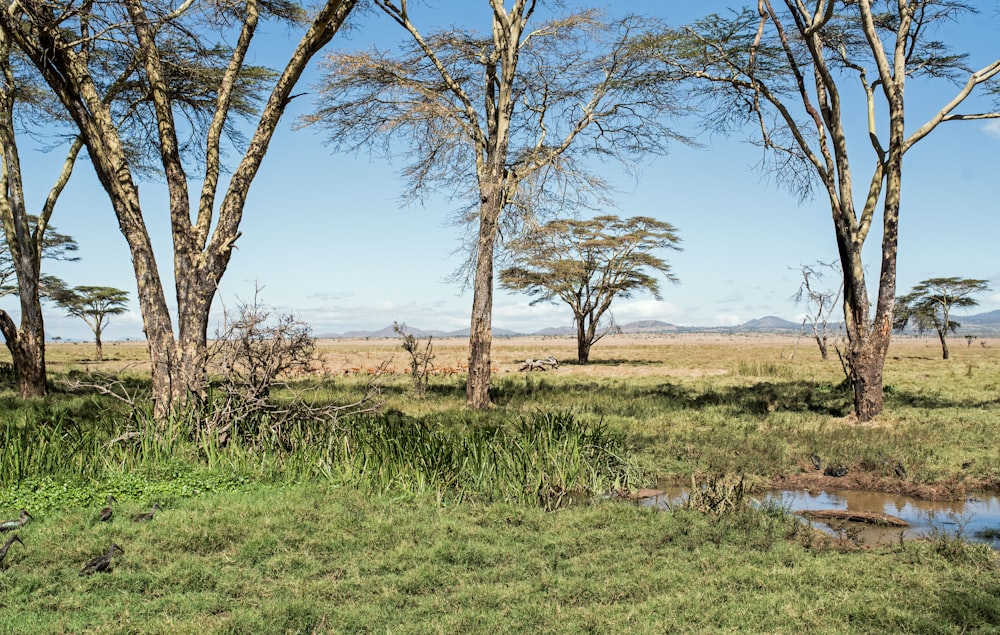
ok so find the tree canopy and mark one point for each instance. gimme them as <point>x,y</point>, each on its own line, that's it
<point>588,264</point>
<point>928,306</point>
<point>95,306</point>
<point>55,246</point>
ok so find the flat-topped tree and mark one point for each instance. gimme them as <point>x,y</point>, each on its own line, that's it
<point>95,306</point>
<point>157,41</point>
<point>588,264</point>
<point>786,71</point>
<point>928,306</point>
<point>504,122</point>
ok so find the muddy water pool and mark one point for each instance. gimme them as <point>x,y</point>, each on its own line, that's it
<point>977,518</point>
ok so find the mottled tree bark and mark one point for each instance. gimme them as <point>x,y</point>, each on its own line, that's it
<point>477,390</point>
<point>27,353</point>
<point>27,343</point>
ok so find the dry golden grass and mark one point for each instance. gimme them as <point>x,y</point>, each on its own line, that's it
<point>615,356</point>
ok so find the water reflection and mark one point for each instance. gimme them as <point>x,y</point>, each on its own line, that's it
<point>977,518</point>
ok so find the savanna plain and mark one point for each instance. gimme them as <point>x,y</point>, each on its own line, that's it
<point>407,513</point>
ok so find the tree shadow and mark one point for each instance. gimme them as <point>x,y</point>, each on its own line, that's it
<point>930,401</point>
<point>614,362</point>
<point>758,399</point>
<point>761,398</point>
<point>612,397</point>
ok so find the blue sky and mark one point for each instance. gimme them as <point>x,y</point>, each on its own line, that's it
<point>327,238</point>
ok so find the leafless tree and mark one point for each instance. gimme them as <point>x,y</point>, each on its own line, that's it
<point>254,353</point>
<point>820,303</point>
<point>147,35</point>
<point>789,74</point>
<point>505,122</point>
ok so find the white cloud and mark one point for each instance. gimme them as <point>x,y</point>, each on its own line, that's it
<point>339,318</point>
<point>523,317</point>
<point>635,310</point>
<point>992,128</point>
<point>726,319</point>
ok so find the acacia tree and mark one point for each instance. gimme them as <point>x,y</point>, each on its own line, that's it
<point>502,122</point>
<point>928,306</point>
<point>38,113</point>
<point>789,74</point>
<point>820,303</point>
<point>95,305</point>
<point>589,263</point>
<point>147,35</point>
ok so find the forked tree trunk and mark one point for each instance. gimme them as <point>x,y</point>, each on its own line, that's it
<point>27,343</point>
<point>200,260</point>
<point>821,341</point>
<point>870,335</point>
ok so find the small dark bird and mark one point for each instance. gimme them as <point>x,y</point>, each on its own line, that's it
<point>17,523</point>
<point>900,470</point>
<point>107,512</point>
<point>836,472</point>
<point>145,516</point>
<point>10,541</point>
<point>968,464</point>
<point>101,563</point>
<point>815,460</point>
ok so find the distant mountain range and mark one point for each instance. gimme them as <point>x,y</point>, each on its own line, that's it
<point>980,325</point>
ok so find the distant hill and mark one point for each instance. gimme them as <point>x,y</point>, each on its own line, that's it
<point>389,332</point>
<point>980,324</point>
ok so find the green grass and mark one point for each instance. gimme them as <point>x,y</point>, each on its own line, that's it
<point>316,559</point>
<point>431,518</point>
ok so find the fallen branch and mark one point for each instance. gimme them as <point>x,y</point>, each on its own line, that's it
<point>540,364</point>
<point>869,518</point>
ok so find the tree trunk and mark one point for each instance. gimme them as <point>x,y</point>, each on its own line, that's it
<point>27,352</point>
<point>27,344</point>
<point>820,337</point>
<point>192,341</point>
<point>867,362</point>
<point>477,390</point>
<point>944,344</point>
<point>583,341</point>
